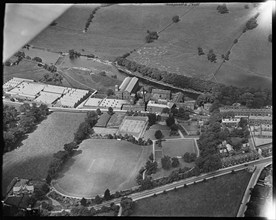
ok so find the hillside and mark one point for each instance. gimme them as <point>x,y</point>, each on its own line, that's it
<point>118,29</point>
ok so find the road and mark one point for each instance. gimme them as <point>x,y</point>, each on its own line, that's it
<point>251,184</point>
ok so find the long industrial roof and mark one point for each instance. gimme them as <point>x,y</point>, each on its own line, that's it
<point>131,84</point>
<point>124,83</point>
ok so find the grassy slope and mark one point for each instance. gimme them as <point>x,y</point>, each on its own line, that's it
<point>32,159</point>
<point>203,27</point>
<point>218,197</point>
<point>25,69</point>
<point>102,164</point>
<point>251,58</point>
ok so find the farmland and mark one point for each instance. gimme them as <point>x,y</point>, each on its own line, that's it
<point>32,159</point>
<point>201,26</point>
<point>101,164</point>
<point>218,197</point>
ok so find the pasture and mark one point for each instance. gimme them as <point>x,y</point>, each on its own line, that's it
<point>31,160</point>
<point>101,164</point>
<point>219,197</point>
<point>25,69</point>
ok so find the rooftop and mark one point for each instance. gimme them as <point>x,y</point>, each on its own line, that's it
<point>161,91</point>
<point>131,84</point>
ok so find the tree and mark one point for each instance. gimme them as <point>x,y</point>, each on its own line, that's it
<point>222,9</point>
<point>83,202</point>
<point>243,122</point>
<point>151,157</point>
<point>170,121</point>
<point>183,114</point>
<point>158,135</point>
<point>107,195</point>
<point>174,127</point>
<point>175,162</point>
<point>189,157</point>
<point>175,19</point>
<point>166,111</point>
<point>212,163</point>
<point>246,6</point>
<point>110,111</point>
<point>83,131</point>
<point>70,147</point>
<point>211,56</point>
<point>98,199</point>
<point>110,92</point>
<point>91,118</point>
<point>166,162</point>
<point>235,41</point>
<point>200,51</point>
<point>37,59</point>
<point>127,206</point>
<point>152,118</point>
<point>98,111</point>
<point>151,167</point>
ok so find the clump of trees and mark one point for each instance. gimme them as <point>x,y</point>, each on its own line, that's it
<point>246,6</point>
<point>166,162</point>
<point>222,9</point>
<point>15,127</point>
<point>37,59</point>
<point>175,19</point>
<point>73,54</point>
<point>151,36</point>
<point>211,56</point>
<point>189,157</point>
<point>200,51</point>
<point>55,78</point>
<point>127,206</point>
<point>235,41</point>
<point>251,23</point>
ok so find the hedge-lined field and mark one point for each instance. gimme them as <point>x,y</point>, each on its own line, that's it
<point>218,197</point>
<point>32,159</point>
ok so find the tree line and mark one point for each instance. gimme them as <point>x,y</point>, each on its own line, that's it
<point>83,132</point>
<point>16,124</point>
<point>89,20</point>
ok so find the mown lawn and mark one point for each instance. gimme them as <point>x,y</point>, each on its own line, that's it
<point>31,160</point>
<point>101,164</point>
<point>219,197</point>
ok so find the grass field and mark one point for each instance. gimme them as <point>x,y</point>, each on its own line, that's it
<point>218,197</point>
<point>260,141</point>
<point>25,70</point>
<point>32,159</point>
<point>179,147</point>
<point>118,29</point>
<point>101,164</point>
<point>150,133</point>
<point>191,127</point>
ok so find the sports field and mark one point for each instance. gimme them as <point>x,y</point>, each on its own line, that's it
<point>101,164</point>
<point>178,147</point>
<point>133,125</point>
<point>31,160</point>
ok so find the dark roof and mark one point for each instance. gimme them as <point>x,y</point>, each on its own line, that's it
<point>103,120</point>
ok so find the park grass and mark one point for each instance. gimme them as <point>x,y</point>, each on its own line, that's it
<point>219,197</point>
<point>31,160</point>
<point>191,127</point>
<point>179,147</point>
<point>101,164</point>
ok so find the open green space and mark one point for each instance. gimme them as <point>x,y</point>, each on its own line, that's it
<point>31,160</point>
<point>24,69</point>
<point>178,147</point>
<point>219,197</point>
<point>100,164</point>
<point>191,127</point>
<point>150,133</point>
